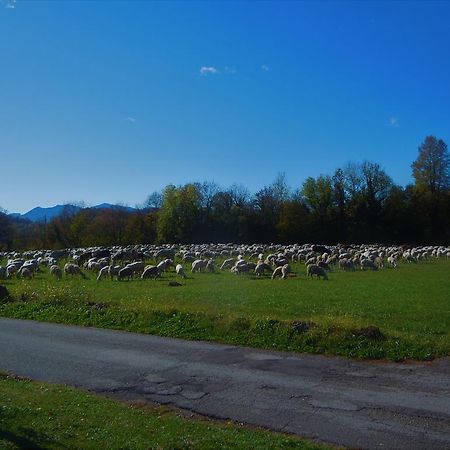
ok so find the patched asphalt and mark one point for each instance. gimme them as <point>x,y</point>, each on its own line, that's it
<point>368,405</point>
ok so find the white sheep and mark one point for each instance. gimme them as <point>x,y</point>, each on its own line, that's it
<point>198,265</point>
<point>103,272</point>
<point>180,271</point>
<point>227,264</point>
<point>127,272</point>
<point>56,271</point>
<point>314,269</point>
<point>150,272</point>
<point>367,263</point>
<point>71,269</point>
<point>262,267</point>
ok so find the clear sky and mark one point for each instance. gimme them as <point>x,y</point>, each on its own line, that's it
<point>109,101</point>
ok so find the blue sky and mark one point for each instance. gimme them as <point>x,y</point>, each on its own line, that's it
<point>108,101</point>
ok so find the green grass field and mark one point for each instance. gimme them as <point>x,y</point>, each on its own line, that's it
<point>37,416</point>
<point>410,306</point>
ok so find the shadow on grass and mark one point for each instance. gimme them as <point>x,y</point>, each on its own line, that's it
<point>28,439</point>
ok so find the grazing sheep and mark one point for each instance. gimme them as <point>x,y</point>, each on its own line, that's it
<point>314,269</point>
<point>392,261</point>
<point>331,260</point>
<point>150,272</point>
<point>164,265</point>
<point>26,272</point>
<point>165,253</point>
<point>410,259</point>
<point>310,261</point>
<point>279,262</point>
<point>56,271</point>
<point>240,267</point>
<point>136,267</point>
<point>227,264</point>
<point>282,271</point>
<point>367,263</point>
<point>198,265</point>
<point>277,272</point>
<point>180,271</point>
<point>93,265</point>
<point>379,262</point>
<point>72,269</point>
<point>347,264</point>
<point>127,272</point>
<point>324,265</point>
<point>11,270</point>
<point>210,265</point>
<point>113,271</point>
<point>262,267</point>
<point>103,272</point>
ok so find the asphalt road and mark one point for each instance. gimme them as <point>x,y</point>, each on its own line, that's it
<point>355,404</point>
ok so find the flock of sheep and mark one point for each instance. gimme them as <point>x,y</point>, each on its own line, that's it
<point>272,260</point>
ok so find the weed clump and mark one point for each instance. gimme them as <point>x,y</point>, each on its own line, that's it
<point>371,332</point>
<point>299,327</point>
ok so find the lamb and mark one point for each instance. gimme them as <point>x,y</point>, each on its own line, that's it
<point>56,271</point>
<point>314,269</point>
<point>150,272</point>
<point>180,271</point>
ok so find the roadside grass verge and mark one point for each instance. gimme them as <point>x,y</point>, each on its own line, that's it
<point>37,415</point>
<point>393,314</point>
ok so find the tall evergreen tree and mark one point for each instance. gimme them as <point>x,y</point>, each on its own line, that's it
<point>431,169</point>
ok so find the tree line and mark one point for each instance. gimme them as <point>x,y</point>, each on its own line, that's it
<point>357,203</point>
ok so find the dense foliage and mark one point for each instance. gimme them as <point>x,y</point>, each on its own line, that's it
<point>357,203</point>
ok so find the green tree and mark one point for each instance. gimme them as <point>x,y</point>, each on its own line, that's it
<point>431,169</point>
<point>179,214</point>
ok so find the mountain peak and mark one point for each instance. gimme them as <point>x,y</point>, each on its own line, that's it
<point>40,214</point>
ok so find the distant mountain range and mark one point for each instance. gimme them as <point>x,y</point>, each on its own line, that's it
<point>39,214</point>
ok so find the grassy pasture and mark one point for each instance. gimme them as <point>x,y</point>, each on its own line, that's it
<point>37,415</point>
<point>409,305</point>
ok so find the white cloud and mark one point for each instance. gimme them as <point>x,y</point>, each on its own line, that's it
<point>265,68</point>
<point>130,119</point>
<point>9,4</point>
<point>393,122</point>
<point>230,70</point>
<point>205,70</point>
